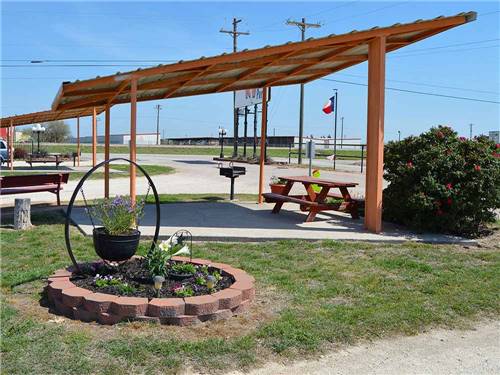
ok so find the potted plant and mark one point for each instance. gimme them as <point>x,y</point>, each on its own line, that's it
<point>117,239</point>
<point>277,185</point>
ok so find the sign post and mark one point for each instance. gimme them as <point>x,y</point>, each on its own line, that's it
<point>310,153</point>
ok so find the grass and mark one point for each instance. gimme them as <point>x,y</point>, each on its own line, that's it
<point>117,171</point>
<point>192,150</point>
<point>310,297</point>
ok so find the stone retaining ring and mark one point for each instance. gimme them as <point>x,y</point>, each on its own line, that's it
<point>85,305</point>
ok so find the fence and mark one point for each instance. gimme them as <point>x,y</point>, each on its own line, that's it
<point>326,152</point>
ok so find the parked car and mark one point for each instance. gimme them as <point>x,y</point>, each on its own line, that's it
<point>4,155</point>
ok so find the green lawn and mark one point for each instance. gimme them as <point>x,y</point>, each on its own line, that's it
<point>193,150</point>
<point>311,296</point>
<point>117,171</point>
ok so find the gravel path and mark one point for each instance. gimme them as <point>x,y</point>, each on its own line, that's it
<point>438,351</point>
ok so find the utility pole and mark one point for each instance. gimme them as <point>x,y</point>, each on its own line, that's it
<point>399,135</point>
<point>302,26</point>
<point>158,107</point>
<point>470,127</point>
<point>341,131</point>
<point>235,34</point>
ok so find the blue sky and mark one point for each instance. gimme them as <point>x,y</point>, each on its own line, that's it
<point>460,62</point>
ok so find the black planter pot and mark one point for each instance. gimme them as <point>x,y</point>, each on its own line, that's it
<point>179,276</point>
<point>115,248</point>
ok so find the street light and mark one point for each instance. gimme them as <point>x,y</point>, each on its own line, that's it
<point>222,133</point>
<point>37,129</point>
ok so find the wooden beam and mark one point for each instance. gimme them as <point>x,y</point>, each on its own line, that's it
<point>94,138</point>
<point>10,145</point>
<point>107,127</point>
<point>78,140</point>
<point>90,101</point>
<point>133,137</point>
<point>172,91</point>
<point>325,58</point>
<point>263,132</point>
<point>122,87</point>
<point>375,135</point>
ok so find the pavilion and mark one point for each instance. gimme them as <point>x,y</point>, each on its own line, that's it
<point>287,64</point>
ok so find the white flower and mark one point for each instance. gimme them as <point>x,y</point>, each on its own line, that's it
<point>184,250</point>
<point>164,246</point>
<point>173,240</point>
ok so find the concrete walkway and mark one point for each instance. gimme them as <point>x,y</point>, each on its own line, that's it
<point>193,175</point>
<point>437,352</point>
<point>225,221</point>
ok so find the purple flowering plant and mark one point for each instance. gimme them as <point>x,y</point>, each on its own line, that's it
<point>117,215</point>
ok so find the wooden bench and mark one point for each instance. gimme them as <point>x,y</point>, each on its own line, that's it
<point>54,158</point>
<point>34,183</point>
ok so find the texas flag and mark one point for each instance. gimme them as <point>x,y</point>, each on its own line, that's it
<point>328,108</point>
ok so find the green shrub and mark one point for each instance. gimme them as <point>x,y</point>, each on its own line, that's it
<point>441,182</point>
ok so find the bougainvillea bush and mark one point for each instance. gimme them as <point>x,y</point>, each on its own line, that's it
<point>442,183</point>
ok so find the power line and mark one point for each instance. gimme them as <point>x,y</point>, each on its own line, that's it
<point>409,54</point>
<point>454,45</point>
<point>415,92</point>
<point>425,84</point>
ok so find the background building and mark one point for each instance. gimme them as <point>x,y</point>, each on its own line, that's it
<point>121,139</point>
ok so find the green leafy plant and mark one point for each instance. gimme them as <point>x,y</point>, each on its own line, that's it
<point>157,258</point>
<point>275,180</point>
<point>204,269</point>
<point>200,280</point>
<point>183,291</point>
<point>183,268</point>
<point>117,215</point>
<point>104,281</point>
<point>441,182</point>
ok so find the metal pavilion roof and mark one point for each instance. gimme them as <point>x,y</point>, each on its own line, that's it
<point>46,116</point>
<point>286,64</point>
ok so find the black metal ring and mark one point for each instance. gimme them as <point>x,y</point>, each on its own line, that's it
<point>77,189</point>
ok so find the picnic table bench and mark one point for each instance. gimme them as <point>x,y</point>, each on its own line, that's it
<point>315,202</point>
<point>50,158</point>
<point>34,183</point>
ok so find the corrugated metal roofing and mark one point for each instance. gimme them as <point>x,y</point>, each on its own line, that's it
<point>46,116</point>
<point>289,63</point>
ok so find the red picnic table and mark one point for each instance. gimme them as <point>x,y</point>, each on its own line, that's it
<point>315,202</point>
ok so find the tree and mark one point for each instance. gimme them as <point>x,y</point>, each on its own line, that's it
<point>55,131</point>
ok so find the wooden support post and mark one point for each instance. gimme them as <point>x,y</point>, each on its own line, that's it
<point>94,138</point>
<point>133,135</point>
<point>263,132</point>
<point>375,135</point>
<point>78,140</point>
<point>10,145</point>
<point>106,151</point>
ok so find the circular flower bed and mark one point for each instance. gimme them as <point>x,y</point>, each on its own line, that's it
<point>108,295</point>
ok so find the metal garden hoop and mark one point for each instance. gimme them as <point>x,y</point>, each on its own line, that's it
<point>79,188</point>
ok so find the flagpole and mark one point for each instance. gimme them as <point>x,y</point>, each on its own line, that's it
<point>335,108</point>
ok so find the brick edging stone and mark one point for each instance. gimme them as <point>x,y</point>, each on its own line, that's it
<point>82,304</point>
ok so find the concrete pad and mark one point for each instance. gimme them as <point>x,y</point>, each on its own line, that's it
<point>233,221</point>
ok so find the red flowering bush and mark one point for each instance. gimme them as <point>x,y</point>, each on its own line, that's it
<point>442,183</point>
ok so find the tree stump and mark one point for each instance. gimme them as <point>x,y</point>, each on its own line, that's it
<point>22,213</point>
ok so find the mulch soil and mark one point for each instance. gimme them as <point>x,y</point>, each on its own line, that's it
<point>136,275</point>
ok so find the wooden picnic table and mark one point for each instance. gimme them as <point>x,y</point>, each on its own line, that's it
<point>315,202</point>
